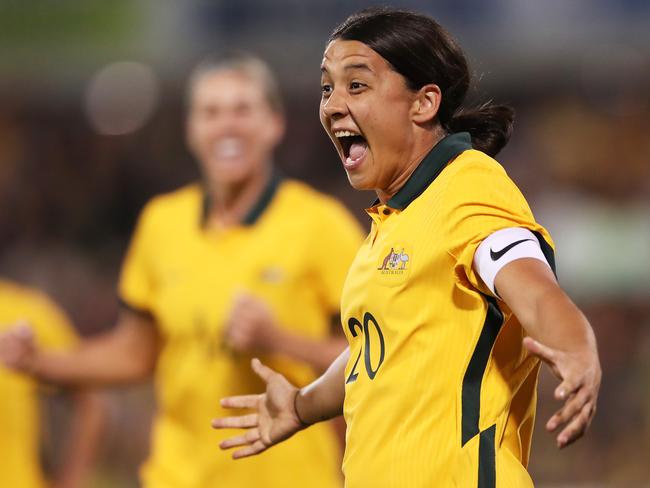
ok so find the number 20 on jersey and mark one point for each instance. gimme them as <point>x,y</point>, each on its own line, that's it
<point>373,337</point>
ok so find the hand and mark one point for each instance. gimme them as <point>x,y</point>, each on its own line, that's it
<point>251,326</point>
<point>579,373</point>
<point>18,348</point>
<point>275,418</point>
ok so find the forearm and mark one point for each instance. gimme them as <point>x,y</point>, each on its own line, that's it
<point>557,322</point>
<point>546,313</point>
<point>95,362</point>
<point>83,440</point>
<point>126,354</point>
<point>319,354</point>
<point>323,398</point>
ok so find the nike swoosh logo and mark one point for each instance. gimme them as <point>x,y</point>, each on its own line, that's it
<point>499,254</point>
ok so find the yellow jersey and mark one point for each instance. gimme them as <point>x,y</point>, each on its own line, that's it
<point>439,390</point>
<point>20,465</point>
<point>292,251</point>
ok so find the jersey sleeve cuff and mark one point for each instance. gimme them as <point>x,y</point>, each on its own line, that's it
<point>142,311</point>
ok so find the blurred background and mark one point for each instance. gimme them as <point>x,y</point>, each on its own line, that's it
<point>91,126</point>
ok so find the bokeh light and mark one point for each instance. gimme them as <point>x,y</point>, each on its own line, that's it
<point>121,97</point>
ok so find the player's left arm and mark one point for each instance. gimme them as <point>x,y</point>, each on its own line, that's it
<point>561,336</point>
<point>83,440</point>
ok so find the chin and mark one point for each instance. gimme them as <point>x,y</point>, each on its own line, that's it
<point>358,182</point>
<point>228,173</point>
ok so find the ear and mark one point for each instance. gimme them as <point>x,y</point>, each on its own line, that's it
<point>280,127</point>
<point>426,103</point>
<point>274,130</point>
<point>189,133</point>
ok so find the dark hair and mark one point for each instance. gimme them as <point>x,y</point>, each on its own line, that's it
<point>244,63</point>
<point>419,49</point>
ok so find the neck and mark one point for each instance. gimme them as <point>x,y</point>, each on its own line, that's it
<point>230,203</point>
<point>424,142</point>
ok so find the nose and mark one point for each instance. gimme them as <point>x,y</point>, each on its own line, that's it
<point>334,106</point>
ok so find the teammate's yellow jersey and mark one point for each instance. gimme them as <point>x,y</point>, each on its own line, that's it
<point>439,390</point>
<point>293,251</point>
<point>20,465</point>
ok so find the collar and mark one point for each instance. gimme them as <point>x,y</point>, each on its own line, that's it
<point>428,170</point>
<point>260,206</point>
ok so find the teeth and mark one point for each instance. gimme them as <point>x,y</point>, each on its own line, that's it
<point>345,133</point>
<point>229,148</point>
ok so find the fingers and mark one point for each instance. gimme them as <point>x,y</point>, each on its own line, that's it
<point>17,346</point>
<point>568,410</point>
<point>249,437</point>
<point>575,415</point>
<point>262,371</point>
<point>579,374</point>
<point>240,422</point>
<point>23,330</point>
<point>242,401</point>
<point>577,427</point>
<point>251,450</point>
<point>240,338</point>
<point>540,350</point>
<point>250,326</point>
<point>566,389</point>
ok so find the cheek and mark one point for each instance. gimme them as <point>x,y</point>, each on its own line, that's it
<point>323,118</point>
<point>325,123</point>
<point>263,136</point>
<point>201,127</point>
<point>195,136</point>
<point>393,127</point>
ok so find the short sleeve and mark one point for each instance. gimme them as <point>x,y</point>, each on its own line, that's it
<point>52,327</point>
<point>137,280</point>
<point>480,200</point>
<point>336,240</point>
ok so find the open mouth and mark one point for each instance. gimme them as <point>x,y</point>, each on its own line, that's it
<point>354,146</point>
<point>228,148</point>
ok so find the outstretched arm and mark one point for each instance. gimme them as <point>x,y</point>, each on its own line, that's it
<point>126,354</point>
<point>561,336</point>
<point>283,409</point>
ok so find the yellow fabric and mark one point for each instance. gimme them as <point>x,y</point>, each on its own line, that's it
<point>294,256</point>
<point>413,312</point>
<point>19,416</point>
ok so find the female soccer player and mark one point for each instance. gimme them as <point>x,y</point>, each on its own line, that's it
<point>451,301</point>
<point>20,429</point>
<point>245,262</point>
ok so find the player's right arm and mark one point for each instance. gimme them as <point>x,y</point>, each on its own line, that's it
<point>283,409</point>
<point>126,354</point>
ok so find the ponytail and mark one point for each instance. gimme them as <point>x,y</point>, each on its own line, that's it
<point>489,125</point>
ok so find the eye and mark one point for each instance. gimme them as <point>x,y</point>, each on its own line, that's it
<point>243,109</point>
<point>209,112</point>
<point>356,86</point>
<point>325,89</point>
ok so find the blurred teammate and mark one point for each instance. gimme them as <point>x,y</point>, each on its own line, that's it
<point>20,432</point>
<point>244,262</point>
<point>452,300</point>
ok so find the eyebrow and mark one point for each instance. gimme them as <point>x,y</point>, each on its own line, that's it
<point>361,66</point>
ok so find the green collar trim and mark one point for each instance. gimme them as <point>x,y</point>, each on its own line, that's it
<point>260,206</point>
<point>265,199</point>
<point>430,167</point>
